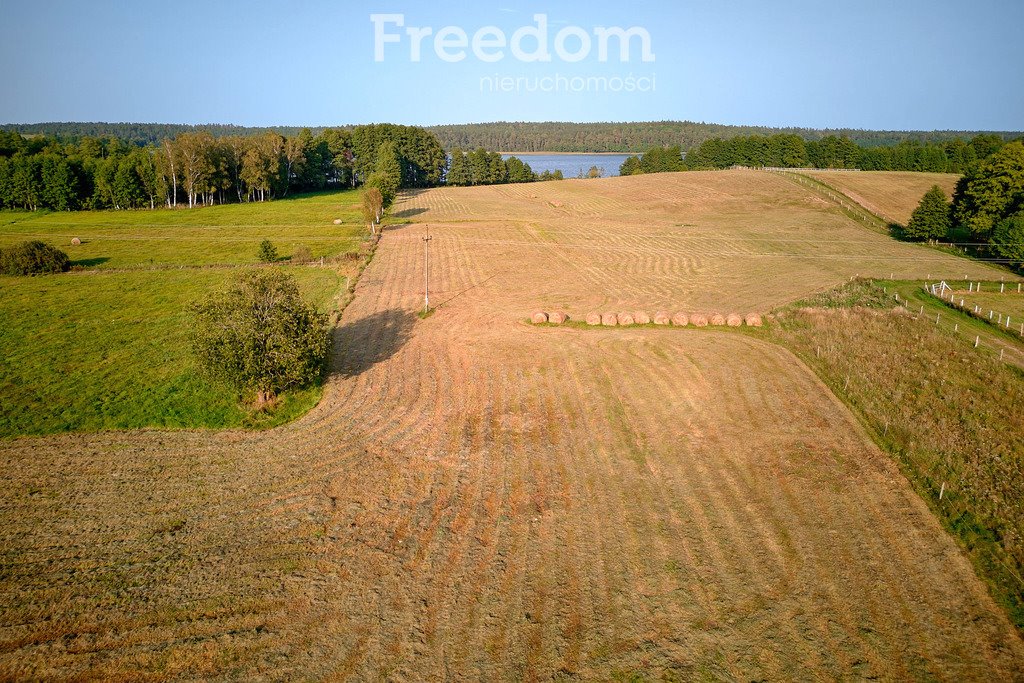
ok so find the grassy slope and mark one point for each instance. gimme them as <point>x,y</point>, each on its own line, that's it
<point>106,349</point>
<point>890,194</point>
<point>1011,303</point>
<point>228,234</point>
<point>942,409</point>
<point>93,351</point>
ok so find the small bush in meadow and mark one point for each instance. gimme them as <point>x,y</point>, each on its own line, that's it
<point>268,252</point>
<point>33,258</point>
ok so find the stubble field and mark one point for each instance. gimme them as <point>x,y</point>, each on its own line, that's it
<point>478,498</point>
<point>893,195</point>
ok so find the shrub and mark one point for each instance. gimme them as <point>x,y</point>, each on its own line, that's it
<point>259,335</point>
<point>268,252</point>
<point>33,258</point>
<point>302,254</point>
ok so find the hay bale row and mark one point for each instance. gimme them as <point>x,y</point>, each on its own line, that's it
<point>540,317</point>
<point>663,318</point>
<point>623,318</point>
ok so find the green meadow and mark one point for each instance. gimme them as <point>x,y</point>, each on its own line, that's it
<point>107,347</point>
<point>228,234</point>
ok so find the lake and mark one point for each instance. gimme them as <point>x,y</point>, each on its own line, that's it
<point>572,164</point>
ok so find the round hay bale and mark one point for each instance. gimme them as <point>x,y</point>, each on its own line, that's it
<point>557,318</point>
<point>753,320</point>
<point>717,320</point>
<point>337,221</point>
<point>75,241</point>
<point>733,320</point>
<point>593,318</point>
<point>662,318</point>
<point>609,320</point>
<point>641,318</point>
<point>626,319</point>
<point>539,317</point>
<point>680,320</point>
<point>699,320</point>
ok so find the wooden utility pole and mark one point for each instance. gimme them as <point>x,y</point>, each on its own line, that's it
<point>426,274</point>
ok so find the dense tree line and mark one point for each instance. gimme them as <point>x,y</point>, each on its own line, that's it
<point>791,151</point>
<point>988,204</point>
<point>632,137</point>
<point>654,160</point>
<point>145,134</point>
<point>518,136</point>
<point>197,168</point>
<point>481,167</point>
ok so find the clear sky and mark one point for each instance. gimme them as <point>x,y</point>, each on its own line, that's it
<point>896,64</point>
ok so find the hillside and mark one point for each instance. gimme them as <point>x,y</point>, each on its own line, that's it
<point>893,195</point>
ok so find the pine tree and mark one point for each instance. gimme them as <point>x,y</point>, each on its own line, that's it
<point>930,220</point>
<point>458,171</point>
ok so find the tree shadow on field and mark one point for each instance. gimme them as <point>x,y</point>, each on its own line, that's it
<point>363,343</point>
<point>409,213</point>
<point>899,232</point>
<point>89,262</point>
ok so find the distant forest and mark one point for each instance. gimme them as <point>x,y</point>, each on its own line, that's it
<point>522,137</point>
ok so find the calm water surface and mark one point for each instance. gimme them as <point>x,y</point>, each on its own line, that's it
<point>571,165</point>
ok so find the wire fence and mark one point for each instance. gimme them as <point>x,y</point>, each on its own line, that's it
<point>1002,322</point>
<point>953,476</point>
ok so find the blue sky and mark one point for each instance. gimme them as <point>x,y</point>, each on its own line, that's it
<point>913,64</point>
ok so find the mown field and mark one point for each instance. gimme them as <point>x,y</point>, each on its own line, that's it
<point>108,349</point>
<point>893,195</point>
<point>478,498</point>
<point>700,241</point>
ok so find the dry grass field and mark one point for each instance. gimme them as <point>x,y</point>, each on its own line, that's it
<point>477,498</point>
<point>893,195</point>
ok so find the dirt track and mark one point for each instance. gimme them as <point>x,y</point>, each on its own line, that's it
<point>478,498</point>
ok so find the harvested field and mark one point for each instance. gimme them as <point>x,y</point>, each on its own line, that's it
<point>478,498</point>
<point>697,241</point>
<point>893,195</point>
